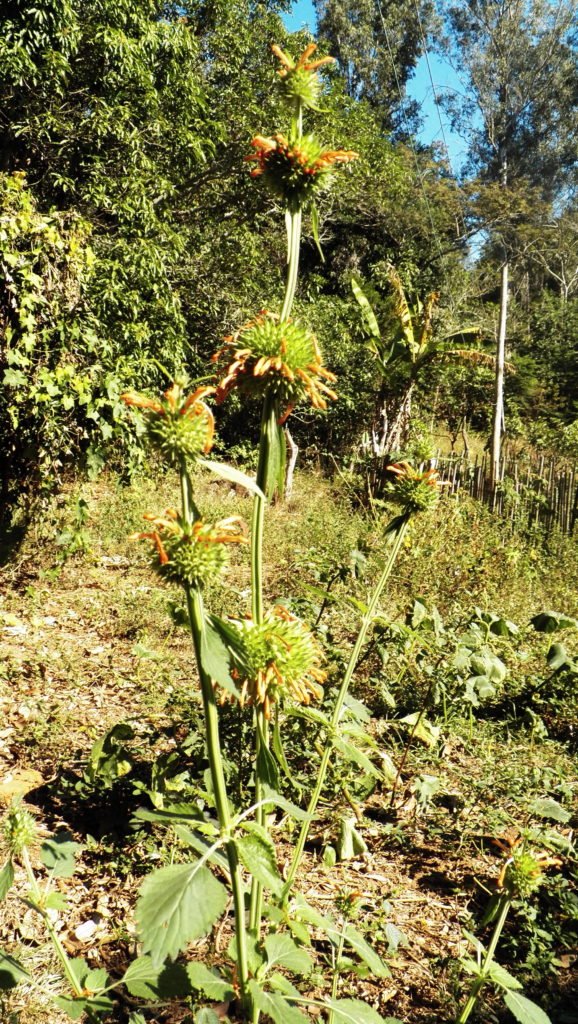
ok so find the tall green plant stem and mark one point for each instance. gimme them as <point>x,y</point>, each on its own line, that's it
<point>294,220</point>
<point>480,981</point>
<point>197,623</point>
<point>269,424</point>
<point>397,541</point>
<point>269,429</point>
<point>60,951</point>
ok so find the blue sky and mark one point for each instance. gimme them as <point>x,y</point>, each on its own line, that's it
<point>419,88</point>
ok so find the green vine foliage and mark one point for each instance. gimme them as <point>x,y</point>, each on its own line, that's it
<point>51,402</point>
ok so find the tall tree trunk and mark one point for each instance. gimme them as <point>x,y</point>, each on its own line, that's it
<point>500,365</point>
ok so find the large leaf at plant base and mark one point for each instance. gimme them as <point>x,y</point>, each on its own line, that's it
<point>365,952</point>
<point>207,1016</point>
<point>557,657</point>
<point>549,622</point>
<point>524,1010</point>
<point>282,951</point>
<point>275,1006</point>
<point>210,984</point>
<point>58,854</point>
<point>500,976</point>
<point>141,978</point>
<point>353,1011</point>
<point>178,903</point>
<point>6,879</point>
<point>257,852</point>
<point>11,972</point>
<point>232,476</point>
<point>76,1008</point>
<point>550,808</point>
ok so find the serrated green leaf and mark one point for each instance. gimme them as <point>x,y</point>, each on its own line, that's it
<point>56,901</point>
<point>96,979</point>
<point>282,984</point>
<point>11,972</point>
<point>257,852</point>
<point>207,1016</point>
<point>58,855</point>
<point>550,808</point>
<point>232,476</point>
<point>501,977</point>
<point>524,1010</point>
<point>178,904</point>
<point>201,845</point>
<point>365,952</point>
<point>471,966</point>
<point>353,1011</point>
<point>209,983</point>
<point>76,1008</point>
<point>141,978</point>
<point>6,879</point>
<point>275,1006</point>
<point>275,798</point>
<point>356,756</point>
<point>282,951</point>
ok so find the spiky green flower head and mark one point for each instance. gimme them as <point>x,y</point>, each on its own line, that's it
<point>299,80</point>
<point>414,491</point>
<point>280,658</point>
<point>177,425</point>
<point>523,872</point>
<point>193,554</point>
<point>19,830</point>
<point>295,169</point>
<point>275,357</point>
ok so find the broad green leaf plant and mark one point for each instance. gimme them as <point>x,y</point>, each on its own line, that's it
<point>268,659</point>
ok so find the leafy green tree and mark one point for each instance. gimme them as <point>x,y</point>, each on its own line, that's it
<point>377,44</point>
<point>519,60</point>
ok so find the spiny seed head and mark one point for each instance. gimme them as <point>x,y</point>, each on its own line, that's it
<point>191,553</point>
<point>523,872</point>
<point>294,169</point>
<point>299,79</point>
<point>19,830</point>
<point>414,491</point>
<point>280,657</point>
<point>275,357</point>
<point>177,425</point>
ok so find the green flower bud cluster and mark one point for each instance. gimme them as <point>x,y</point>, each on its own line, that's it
<point>414,491</point>
<point>19,830</point>
<point>194,560</point>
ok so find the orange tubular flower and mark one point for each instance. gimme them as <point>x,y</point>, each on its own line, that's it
<point>192,553</point>
<point>276,357</point>
<point>414,490</point>
<point>299,79</point>
<point>177,425</point>
<point>295,169</point>
<point>280,658</point>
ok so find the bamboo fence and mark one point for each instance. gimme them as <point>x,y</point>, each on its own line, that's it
<point>532,491</point>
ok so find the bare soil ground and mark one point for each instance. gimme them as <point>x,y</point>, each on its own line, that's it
<point>89,645</point>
